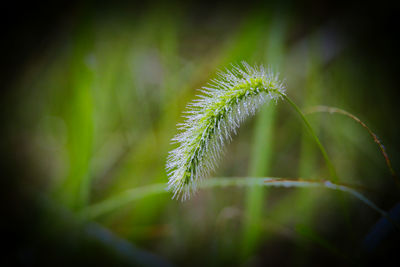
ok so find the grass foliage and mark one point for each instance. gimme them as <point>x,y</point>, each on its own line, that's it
<point>96,113</point>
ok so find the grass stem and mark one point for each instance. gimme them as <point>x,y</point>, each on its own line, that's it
<point>315,137</point>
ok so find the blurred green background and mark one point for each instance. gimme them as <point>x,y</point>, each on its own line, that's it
<point>93,95</point>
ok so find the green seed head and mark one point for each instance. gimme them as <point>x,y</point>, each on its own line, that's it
<point>212,118</point>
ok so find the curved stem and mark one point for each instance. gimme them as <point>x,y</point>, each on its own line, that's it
<point>331,110</point>
<point>315,137</point>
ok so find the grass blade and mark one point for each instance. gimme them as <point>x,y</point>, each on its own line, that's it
<point>131,195</point>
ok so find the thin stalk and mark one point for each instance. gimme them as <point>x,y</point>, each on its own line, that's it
<point>315,137</point>
<point>331,110</point>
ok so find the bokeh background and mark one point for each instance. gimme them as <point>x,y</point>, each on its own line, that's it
<point>91,95</point>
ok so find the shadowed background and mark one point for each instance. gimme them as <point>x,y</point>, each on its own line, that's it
<point>92,93</point>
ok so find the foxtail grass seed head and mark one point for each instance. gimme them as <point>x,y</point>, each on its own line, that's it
<point>212,118</point>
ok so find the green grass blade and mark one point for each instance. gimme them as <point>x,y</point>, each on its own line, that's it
<point>131,195</point>
<point>261,157</point>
